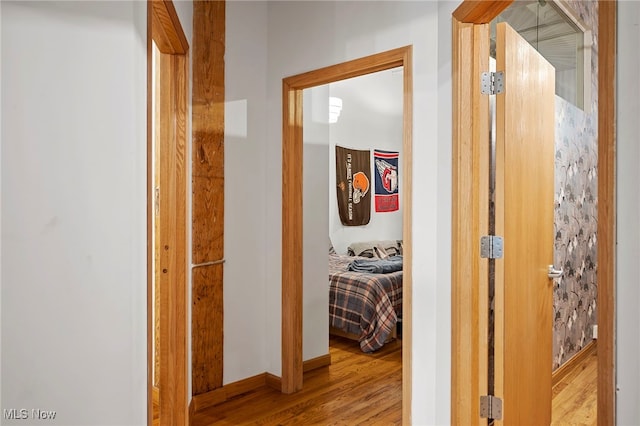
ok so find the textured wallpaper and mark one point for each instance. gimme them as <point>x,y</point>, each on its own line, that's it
<point>576,207</point>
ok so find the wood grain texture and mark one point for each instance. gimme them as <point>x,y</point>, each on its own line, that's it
<point>167,248</point>
<point>480,11</point>
<point>292,187</point>
<point>356,389</point>
<point>208,194</point>
<point>481,161</point>
<point>561,373</point>
<point>356,337</point>
<point>208,131</point>
<point>607,51</point>
<point>525,152</point>
<point>220,395</point>
<point>257,400</point>
<point>575,394</point>
<point>291,239</point>
<point>470,219</point>
<point>368,64</point>
<point>208,216</point>
<point>172,239</point>
<point>206,334</point>
<point>317,362</point>
<point>164,24</point>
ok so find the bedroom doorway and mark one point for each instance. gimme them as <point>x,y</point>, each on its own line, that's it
<point>167,82</point>
<point>352,126</point>
<point>292,210</point>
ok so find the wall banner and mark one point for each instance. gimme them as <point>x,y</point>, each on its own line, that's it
<point>353,177</point>
<point>386,180</point>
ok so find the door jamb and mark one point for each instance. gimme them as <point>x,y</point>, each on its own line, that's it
<point>163,27</point>
<point>292,88</point>
<point>467,329</point>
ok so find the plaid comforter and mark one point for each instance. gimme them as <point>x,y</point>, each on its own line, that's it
<point>368,305</point>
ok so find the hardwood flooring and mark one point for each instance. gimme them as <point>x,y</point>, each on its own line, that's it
<point>357,388</point>
<point>575,396</point>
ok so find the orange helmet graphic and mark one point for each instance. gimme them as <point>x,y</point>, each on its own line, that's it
<point>360,186</point>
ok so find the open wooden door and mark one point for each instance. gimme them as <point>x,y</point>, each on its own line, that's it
<point>524,217</point>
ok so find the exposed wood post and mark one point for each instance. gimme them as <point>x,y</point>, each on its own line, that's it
<point>208,194</point>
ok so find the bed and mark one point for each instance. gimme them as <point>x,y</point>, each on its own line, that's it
<point>364,306</point>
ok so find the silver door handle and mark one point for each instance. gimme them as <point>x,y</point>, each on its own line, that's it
<point>554,273</point>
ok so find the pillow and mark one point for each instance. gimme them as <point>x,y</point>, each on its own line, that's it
<point>375,249</point>
<point>380,252</point>
<point>362,252</point>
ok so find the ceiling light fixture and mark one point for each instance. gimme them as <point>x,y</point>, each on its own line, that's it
<point>335,107</point>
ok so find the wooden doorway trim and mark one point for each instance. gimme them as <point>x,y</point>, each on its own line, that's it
<point>292,186</point>
<point>607,53</point>
<point>469,114</point>
<point>163,28</point>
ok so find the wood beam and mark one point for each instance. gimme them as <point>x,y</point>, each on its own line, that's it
<point>208,195</point>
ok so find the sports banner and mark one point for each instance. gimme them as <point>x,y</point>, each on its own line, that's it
<point>386,180</point>
<point>353,174</point>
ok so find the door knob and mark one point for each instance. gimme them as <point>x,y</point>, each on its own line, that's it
<point>554,273</point>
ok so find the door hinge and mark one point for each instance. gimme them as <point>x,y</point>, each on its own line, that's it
<point>492,83</point>
<point>490,407</point>
<point>491,247</point>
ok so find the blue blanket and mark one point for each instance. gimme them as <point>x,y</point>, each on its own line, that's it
<point>377,266</point>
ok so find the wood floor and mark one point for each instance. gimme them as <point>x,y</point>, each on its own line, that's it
<point>355,389</point>
<point>366,389</point>
<point>575,396</point>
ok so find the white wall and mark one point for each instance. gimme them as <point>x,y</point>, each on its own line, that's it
<point>367,122</point>
<point>628,212</point>
<point>74,210</point>
<point>315,222</point>
<point>364,127</point>
<point>325,34</point>
<point>246,187</point>
<point>73,242</point>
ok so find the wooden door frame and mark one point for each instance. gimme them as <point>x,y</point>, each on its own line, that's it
<point>163,28</point>
<point>470,143</point>
<point>292,186</point>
